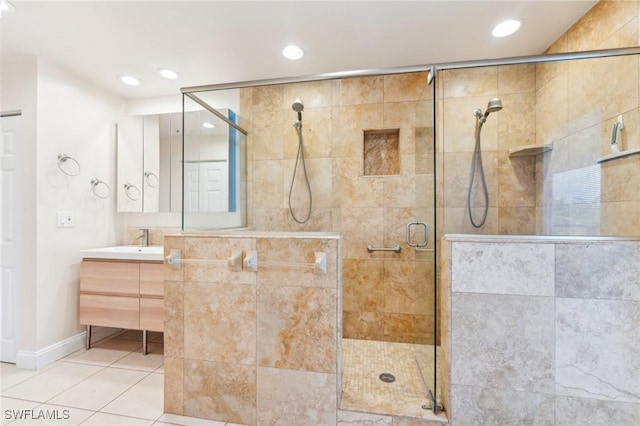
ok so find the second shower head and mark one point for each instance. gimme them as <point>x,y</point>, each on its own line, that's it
<point>297,105</point>
<point>494,105</point>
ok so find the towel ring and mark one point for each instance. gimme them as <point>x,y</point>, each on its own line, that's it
<point>62,158</point>
<point>95,183</point>
<point>151,179</point>
<point>128,192</point>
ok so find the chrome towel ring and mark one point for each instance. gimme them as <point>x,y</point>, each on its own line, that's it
<point>73,170</point>
<point>95,184</point>
<point>151,179</point>
<point>132,192</point>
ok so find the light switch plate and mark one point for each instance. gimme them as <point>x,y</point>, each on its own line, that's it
<point>66,220</point>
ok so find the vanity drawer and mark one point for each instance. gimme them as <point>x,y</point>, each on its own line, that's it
<point>110,311</point>
<point>152,279</point>
<point>121,278</point>
<point>152,314</point>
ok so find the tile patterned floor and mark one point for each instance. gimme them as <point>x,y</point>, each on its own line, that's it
<point>362,390</point>
<point>112,384</point>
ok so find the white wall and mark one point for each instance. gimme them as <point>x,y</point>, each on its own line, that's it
<point>61,114</point>
<point>79,120</point>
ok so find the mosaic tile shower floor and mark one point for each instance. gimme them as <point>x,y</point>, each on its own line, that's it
<point>362,390</point>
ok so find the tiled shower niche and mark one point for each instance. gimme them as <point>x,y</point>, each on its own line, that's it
<point>381,152</point>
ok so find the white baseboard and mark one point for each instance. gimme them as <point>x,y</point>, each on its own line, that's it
<point>34,360</point>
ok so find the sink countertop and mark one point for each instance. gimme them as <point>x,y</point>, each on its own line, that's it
<point>151,253</point>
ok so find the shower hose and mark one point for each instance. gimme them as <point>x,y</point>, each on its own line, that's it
<point>476,163</point>
<point>300,159</point>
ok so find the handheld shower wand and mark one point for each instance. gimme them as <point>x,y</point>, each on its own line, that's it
<point>298,107</point>
<point>494,105</point>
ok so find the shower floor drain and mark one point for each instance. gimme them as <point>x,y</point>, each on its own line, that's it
<point>387,377</point>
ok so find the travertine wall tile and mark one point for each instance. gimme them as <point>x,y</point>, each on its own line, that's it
<point>229,312</point>
<point>491,335</point>
<point>504,268</point>
<point>361,90</point>
<point>598,271</point>
<point>406,87</point>
<point>585,411</point>
<point>485,406</point>
<point>225,392</point>
<point>218,251</point>
<point>286,262</point>
<point>174,319</point>
<point>296,397</point>
<point>353,418</point>
<point>597,342</point>
<point>174,385</point>
<point>296,328</point>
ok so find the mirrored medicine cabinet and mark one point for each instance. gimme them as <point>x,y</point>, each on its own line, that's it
<point>149,172</point>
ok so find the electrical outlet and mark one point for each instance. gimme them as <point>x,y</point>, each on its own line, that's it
<point>66,220</point>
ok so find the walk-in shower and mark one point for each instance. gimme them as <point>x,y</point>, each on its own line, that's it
<point>298,106</point>
<point>494,105</point>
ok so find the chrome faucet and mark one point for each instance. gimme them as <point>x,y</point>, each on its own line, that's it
<point>144,236</point>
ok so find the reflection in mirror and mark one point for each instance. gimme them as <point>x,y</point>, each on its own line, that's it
<point>213,182</point>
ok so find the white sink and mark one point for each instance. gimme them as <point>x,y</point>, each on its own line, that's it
<point>125,253</point>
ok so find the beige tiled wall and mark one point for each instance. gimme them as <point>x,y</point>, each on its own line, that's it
<point>387,296</point>
<point>253,347</point>
<point>570,105</point>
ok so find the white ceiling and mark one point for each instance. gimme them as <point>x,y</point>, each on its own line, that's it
<point>211,42</point>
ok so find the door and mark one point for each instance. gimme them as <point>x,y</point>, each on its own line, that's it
<point>9,239</point>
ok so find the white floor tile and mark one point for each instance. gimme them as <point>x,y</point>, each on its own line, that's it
<point>10,375</point>
<point>137,361</point>
<point>51,382</point>
<point>106,353</point>
<point>47,415</point>
<point>99,389</point>
<point>105,419</point>
<point>145,399</point>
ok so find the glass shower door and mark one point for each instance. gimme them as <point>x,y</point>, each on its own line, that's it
<point>421,236</point>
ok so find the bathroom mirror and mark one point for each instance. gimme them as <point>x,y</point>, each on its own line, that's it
<point>149,163</point>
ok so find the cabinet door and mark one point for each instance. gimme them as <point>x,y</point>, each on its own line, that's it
<point>110,311</point>
<point>152,279</point>
<point>115,278</point>
<point>152,314</point>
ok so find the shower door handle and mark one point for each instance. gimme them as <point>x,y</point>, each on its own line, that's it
<point>411,243</point>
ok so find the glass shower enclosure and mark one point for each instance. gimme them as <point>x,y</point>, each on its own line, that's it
<point>369,147</point>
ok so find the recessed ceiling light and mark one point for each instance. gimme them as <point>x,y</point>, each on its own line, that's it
<point>208,125</point>
<point>6,6</point>
<point>506,28</point>
<point>168,74</point>
<point>292,52</point>
<point>129,80</point>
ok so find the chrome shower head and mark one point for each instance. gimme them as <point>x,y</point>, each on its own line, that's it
<point>297,105</point>
<point>494,105</point>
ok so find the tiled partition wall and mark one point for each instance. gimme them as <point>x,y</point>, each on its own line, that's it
<point>541,331</point>
<point>253,348</point>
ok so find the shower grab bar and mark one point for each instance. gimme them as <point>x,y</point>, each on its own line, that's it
<point>371,248</point>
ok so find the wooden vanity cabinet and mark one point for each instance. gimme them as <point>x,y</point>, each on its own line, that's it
<point>122,293</point>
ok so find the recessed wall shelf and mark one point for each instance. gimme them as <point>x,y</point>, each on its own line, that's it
<point>382,152</point>
<point>528,150</point>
